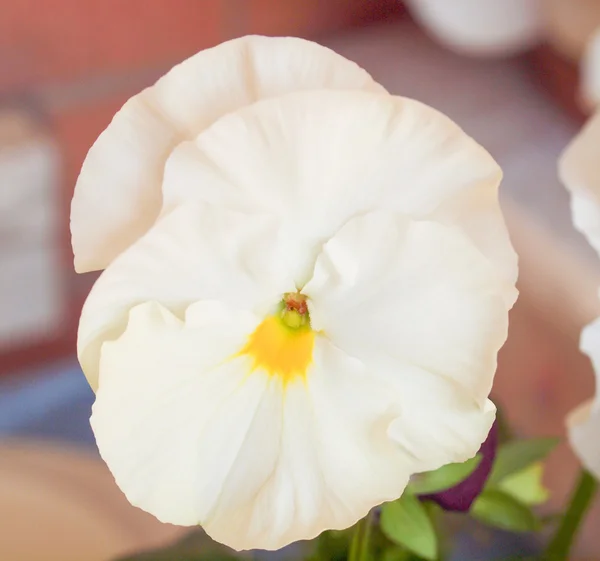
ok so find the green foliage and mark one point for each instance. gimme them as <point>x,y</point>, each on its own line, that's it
<point>196,546</point>
<point>444,478</point>
<point>514,486</point>
<point>505,433</point>
<point>396,554</point>
<point>406,523</point>
<point>500,510</point>
<point>516,455</point>
<point>526,485</point>
<point>331,546</point>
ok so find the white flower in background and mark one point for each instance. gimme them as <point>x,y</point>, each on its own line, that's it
<point>584,422</point>
<point>307,282</point>
<point>481,27</point>
<point>579,169</point>
<point>580,172</point>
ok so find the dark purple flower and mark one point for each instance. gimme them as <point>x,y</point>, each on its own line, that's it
<point>460,497</point>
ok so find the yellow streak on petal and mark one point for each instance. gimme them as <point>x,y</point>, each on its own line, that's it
<point>280,350</point>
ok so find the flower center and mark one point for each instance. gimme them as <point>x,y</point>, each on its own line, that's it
<point>294,311</point>
<point>282,345</point>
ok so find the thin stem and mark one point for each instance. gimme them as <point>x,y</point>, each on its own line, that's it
<point>361,539</point>
<point>561,543</point>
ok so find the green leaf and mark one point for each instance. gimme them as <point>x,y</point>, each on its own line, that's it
<point>406,523</point>
<point>519,454</point>
<point>444,478</point>
<point>396,554</point>
<point>503,425</point>
<point>331,545</point>
<point>526,485</point>
<point>496,508</point>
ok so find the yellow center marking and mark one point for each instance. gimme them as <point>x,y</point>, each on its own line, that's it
<point>280,350</point>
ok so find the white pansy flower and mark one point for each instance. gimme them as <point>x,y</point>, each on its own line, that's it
<point>580,172</point>
<point>307,282</point>
<point>481,27</point>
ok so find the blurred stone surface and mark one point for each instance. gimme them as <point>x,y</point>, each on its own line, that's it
<point>61,504</point>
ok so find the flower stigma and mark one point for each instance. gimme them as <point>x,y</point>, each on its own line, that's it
<point>282,345</point>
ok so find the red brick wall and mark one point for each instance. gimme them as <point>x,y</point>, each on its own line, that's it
<point>56,40</point>
<point>79,60</point>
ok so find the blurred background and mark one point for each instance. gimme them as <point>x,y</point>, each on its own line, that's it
<point>509,78</point>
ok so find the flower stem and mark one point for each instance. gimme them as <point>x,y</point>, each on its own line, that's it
<point>561,543</point>
<point>360,544</point>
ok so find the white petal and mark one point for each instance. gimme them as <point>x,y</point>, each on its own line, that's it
<point>360,465</point>
<point>425,298</point>
<point>291,504</point>
<point>118,193</point>
<point>590,72</point>
<point>584,423</point>
<point>481,27</point>
<point>440,423</point>
<point>336,460</point>
<point>174,408</point>
<point>584,435</point>
<point>318,158</point>
<point>191,438</point>
<point>579,169</point>
<point>195,253</point>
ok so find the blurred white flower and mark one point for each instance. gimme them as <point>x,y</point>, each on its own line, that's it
<point>584,422</point>
<point>307,284</point>
<point>481,27</point>
<point>579,168</point>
